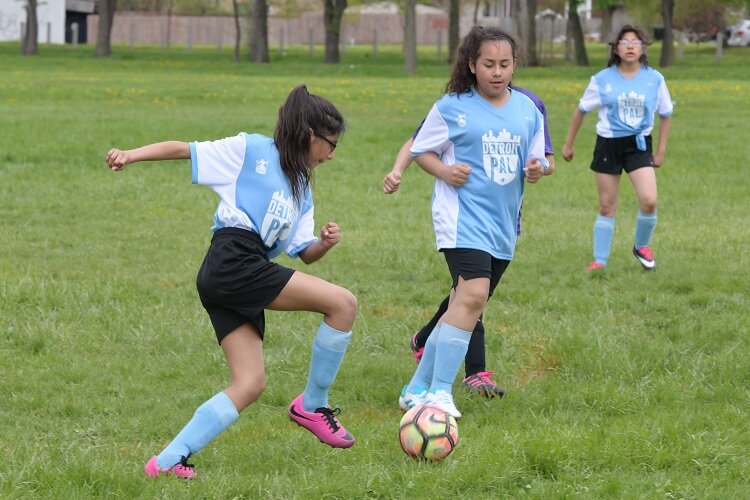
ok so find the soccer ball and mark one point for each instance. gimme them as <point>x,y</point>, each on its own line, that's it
<point>428,433</point>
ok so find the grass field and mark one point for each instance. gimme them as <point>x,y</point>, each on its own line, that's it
<point>623,385</point>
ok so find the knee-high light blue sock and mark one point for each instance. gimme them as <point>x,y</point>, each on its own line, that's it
<point>328,351</point>
<point>422,377</point>
<point>604,228</point>
<point>450,351</point>
<point>210,419</point>
<point>644,228</point>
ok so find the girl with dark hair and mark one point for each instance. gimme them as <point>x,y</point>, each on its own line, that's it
<point>480,140</point>
<point>628,93</point>
<point>265,207</point>
<point>477,378</point>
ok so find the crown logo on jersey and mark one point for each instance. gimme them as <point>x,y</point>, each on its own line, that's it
<point>261,166</point>
<point>503,136</point>
<point>461,120</point>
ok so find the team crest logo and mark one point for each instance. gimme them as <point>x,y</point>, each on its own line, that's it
<point>261,166</point>
<point>630,108</point>
<point>608,88</point>
<point>500,156</point>
<point>461,120</point>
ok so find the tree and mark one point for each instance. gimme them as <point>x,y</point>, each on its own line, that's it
<point>531,53</point>
<point>332,15</point>
<point>607,8</point>
<point>237,32</point>
<point>454,19</point>
<point>259,33</point>
<point>29,45</point>
<point>667,49</point>
<point>525,26</point>
<point>410,36</point>
<point>575,32</point>
<point>107,10</point>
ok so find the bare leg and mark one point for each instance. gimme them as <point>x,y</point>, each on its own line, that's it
<point>644,182</point>
<point>308,293</point>
<point>243,349</point>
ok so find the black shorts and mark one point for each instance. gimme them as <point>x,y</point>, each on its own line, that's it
<point>469,264</point>
<point>237,281</point>
<point>613,155</point>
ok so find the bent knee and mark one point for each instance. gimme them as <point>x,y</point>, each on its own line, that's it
<point>473,299</point>
<point>250,389</point>
<point>348,306</point>
<point>648,206</point>
<point>343,310</point>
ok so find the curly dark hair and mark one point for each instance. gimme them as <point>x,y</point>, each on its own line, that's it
<point>462,79</point>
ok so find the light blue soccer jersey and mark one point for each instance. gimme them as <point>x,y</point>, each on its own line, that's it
<point>254,193</point>
<point>496,143</point>
<point>626,106</point>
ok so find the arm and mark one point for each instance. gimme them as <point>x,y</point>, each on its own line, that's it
<point>330,235</point>
<point>575,126</point>
<point>403,159</point>
<point>664,125</point>
<point>551,160</point>
<point>169,150</point>
<point>455,175</point>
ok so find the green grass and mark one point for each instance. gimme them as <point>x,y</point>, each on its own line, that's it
<point>624,385</point>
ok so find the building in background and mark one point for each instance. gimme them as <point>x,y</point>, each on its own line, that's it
<point>59,20</point>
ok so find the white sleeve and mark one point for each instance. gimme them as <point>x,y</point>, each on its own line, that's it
<point>591,98</point>
<point>433,136</point>
<point>537,145</point>
<point>304,234</point>
<point>217,163</point>
<point>664,105</point>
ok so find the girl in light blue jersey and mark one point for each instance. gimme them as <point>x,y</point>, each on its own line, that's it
<point>477,378</point>
<point>628,94</point>
<point>479,140</point>
<point>265,207</point>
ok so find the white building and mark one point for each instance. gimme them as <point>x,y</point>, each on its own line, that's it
<point>56,20</point>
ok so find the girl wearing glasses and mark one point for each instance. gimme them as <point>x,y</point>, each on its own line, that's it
<point>628,94</point>
<point>265,207</point>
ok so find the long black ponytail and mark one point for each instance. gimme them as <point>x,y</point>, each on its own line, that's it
<point>300,113</point>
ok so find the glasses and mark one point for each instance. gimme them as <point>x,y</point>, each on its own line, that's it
<point>629,43</point>
<point>330,142</point>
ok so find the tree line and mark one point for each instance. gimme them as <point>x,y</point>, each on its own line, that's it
<point>698,15</point>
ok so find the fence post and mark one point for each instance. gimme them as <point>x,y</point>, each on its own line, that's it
<point>440,44</point>
<point>131,33</point>
<point>375,42</point>
<point>681,45</point>
<point>218,29</point>
<point>719,45</point>
<point>49,33</point>
<point>281,41</point>
<point>163,37</point>
<point>310,41</point>
<point>74,30</point>
<point>190,36</point>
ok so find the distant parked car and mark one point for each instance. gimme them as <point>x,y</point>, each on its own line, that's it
<point>740,35</point>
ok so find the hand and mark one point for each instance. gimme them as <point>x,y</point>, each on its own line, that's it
<point>534,170</point>
<point>330,234</point>
<point>391,182</point>
<point>457,174</point>
<point>117,159</point>
<point>658,159</point>
<point>567,152</point>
